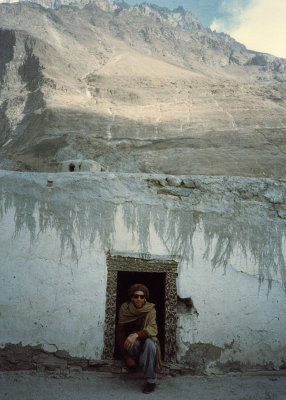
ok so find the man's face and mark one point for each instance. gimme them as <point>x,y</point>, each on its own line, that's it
<point>138,299</point>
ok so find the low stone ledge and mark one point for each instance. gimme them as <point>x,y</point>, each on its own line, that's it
<point>16,357</point>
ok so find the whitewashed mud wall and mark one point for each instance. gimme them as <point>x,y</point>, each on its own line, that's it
<point>227,233</point>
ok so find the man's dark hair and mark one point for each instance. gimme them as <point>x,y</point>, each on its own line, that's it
<point>136,287</point>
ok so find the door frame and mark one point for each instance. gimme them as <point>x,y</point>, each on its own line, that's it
<point>141,263</point>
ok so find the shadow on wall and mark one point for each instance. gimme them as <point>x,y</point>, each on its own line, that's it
<point>175,221</point>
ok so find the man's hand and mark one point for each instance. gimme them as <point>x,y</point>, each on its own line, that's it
<point>131,339</point>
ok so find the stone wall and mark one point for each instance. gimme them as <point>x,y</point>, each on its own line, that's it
<point>227,234</point>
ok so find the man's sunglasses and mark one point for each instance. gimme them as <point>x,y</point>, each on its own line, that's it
<point>136,296</point>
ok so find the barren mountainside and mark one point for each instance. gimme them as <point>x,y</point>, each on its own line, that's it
<point>137,89</point>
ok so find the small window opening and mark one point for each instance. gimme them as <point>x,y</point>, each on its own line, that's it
<point>71,167</point>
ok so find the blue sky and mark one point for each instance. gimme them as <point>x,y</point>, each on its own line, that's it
<point>258,24</point>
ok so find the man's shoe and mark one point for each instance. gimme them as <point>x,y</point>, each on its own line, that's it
<point>149,387</point>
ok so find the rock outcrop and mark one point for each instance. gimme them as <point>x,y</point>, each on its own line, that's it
<point>136,89</point>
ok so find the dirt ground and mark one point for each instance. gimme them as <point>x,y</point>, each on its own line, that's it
<point>106,386</point>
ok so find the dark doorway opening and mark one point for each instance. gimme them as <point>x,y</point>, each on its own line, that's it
<point>156,285</point>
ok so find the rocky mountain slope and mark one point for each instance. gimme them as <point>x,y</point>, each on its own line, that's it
<point>136,89</point>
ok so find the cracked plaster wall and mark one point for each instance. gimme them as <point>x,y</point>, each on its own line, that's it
<point>227,233</point>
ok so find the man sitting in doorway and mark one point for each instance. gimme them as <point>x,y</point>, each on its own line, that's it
<point>136,334</point>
